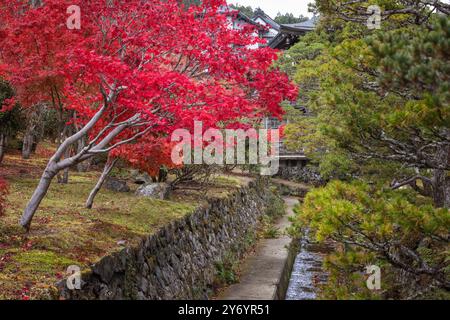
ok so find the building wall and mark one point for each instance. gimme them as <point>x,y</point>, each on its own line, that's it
<point>270,33</point>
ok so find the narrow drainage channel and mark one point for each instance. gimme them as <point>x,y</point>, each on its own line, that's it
<point>307,273</point>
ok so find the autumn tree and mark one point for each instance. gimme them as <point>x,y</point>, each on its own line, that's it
<point>138,67</point>
<point>32,53</point>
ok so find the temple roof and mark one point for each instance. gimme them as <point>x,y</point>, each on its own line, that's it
<point>309,24</point>
<point>289,33</point>
<point>239,15</point>
<point>261,14</point>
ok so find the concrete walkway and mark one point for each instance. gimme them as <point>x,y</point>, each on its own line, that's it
<point>267,269</point>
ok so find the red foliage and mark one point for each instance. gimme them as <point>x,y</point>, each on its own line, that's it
<point>160,62</point>
<point>25,293</point>
<point>4,191</point>
<point>149,155</point>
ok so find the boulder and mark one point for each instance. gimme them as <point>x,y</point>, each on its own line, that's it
<point>115,184</point>
<point>143,178</point>
<point>153,190</point>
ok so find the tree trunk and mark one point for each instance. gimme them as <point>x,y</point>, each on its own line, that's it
<point>97,146</point>
<point>106,171</point>
<point>38,195</point>
<point>441,189</point>
<point>2,146</point>
<point>33,131</point>
<point>441,180</point>
<point>162,177</point>
<point>85,165</point>
<point>28,140</point>
<point>34,145</point>
<point>64,178</point>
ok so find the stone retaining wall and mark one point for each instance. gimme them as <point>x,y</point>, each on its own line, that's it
<point>179,261</point>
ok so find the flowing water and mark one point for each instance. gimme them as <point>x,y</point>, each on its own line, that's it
<point>307,273</point>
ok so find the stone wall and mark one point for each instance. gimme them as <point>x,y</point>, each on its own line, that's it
<point>307,174</point>
<point>179,261</point>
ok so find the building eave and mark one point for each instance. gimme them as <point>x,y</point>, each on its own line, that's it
<point>260,14</point>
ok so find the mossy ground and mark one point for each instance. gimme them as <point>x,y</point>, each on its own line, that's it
<point>65,233</point>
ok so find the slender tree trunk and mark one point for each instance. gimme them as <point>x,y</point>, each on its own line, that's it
<point>106,171</point>
<point>34,145</point>
<point>64,178</point>
<point>97,145</point>
<point>38,195</point>
<point>441,180</point>
<point>33,131</point>
<point>28,140</point>
<point>441,189</point>
<point>85,165</point>
<point>2,146</point>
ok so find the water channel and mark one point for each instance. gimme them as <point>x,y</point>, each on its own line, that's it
<point>307,273</point>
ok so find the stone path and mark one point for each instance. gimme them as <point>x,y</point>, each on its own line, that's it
<point>263,272</point>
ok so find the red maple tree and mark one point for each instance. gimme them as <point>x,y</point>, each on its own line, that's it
<point>136,67</point>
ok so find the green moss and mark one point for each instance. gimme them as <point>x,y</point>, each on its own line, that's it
<point>232,181</point>
<point>38,261</point>
<point>130,289</point>
<point>64,232</point>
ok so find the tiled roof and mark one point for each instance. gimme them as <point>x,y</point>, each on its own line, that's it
<point>309,24</point>
<point>289,32</point>
<point>261,14</point>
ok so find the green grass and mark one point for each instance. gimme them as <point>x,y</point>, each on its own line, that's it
<point>64,232</point>
<point>271,233</point>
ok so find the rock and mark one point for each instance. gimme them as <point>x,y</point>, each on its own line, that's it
<point>301,174</point>
<point>122,242</point>
<point>117,185</point>
<point>143,178</point>
<point>153,190</point>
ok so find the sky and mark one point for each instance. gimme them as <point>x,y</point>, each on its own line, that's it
<point>272,7</point>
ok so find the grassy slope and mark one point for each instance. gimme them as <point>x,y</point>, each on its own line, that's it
<point>65,233</point>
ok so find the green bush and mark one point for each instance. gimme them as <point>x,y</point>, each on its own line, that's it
<point>227,270</point>
<point>276,207</point>
<point>405,236</point>
<point>11,120</point>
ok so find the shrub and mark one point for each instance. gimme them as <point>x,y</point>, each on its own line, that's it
<point>276,207</point>
<point>272,232</point>
<point>227,270</point>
